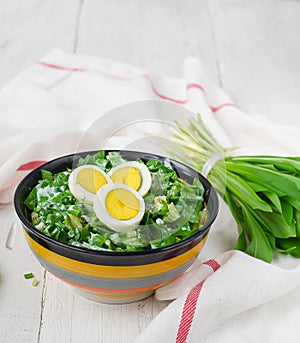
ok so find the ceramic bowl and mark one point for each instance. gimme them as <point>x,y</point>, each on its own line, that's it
<point>114,277</point>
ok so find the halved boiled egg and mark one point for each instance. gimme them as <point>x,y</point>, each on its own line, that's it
<point>119,207</point>
<point>85,181</point>
<point>133,174</point>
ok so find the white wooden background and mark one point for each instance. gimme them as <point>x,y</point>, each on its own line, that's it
<point>251,48</point>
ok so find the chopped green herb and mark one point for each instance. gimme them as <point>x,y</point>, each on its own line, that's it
<point>46,175</point>
<point>35,282</point>
<point>28,276</point>
<point>170,205</point>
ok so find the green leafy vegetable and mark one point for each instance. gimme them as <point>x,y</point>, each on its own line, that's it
<point>174,210</point>
<point>46,175</point>
<point>262,192</point>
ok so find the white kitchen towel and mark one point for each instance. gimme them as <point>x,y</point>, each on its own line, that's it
<point>47,110</point>
<point>233,298</point>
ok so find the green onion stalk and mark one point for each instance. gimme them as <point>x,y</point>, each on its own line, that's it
<point>262,192</point>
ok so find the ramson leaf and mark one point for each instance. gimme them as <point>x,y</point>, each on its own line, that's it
<point>243,191</point>
<point>275,181</point>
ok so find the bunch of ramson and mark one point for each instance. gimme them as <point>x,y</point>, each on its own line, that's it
<point>262,192</point>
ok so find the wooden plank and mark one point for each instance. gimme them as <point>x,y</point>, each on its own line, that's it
<point>149,34</point>
<point>75,319</point>
<point>110,30</point>
<point>258,44</point>
<point>19,301</point>
<point>30,29</point>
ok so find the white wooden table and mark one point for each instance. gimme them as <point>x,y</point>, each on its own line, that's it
<point>251,48</point>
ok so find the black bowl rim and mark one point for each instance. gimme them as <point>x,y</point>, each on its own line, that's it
<point>35,231</point>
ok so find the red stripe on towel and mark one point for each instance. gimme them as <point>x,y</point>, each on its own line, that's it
<point>146,77</point>
<point>217,108</point>
<point>195,85</point>
<point>30,165</point>
<point>55,66</point>
<point>213,108</point>
<point>190,306</point>
<point>213,264</point>
<point>162,96</point>
<point>188,312</point>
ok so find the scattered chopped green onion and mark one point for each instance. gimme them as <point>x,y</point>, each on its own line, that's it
<point>35,282</point>
<point>28,276</point>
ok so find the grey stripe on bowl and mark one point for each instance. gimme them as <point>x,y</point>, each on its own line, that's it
<point>110,283</point>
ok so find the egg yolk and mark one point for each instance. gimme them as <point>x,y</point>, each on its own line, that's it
<point>122,204</point>
<point>91,180</point>
<point>129,176</point>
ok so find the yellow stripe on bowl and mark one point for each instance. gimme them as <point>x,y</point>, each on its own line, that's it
<point>114,272</point>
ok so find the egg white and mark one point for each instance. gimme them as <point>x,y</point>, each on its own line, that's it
<point>79,192</point>
<point>104,216</point>
<point>146,179</point>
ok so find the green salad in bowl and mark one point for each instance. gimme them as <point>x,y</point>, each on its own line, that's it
<point>115,225</point>
<point>109,203</point>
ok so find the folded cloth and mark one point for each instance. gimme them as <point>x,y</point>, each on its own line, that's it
<point>234,298</point>
<point>46,111</point>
